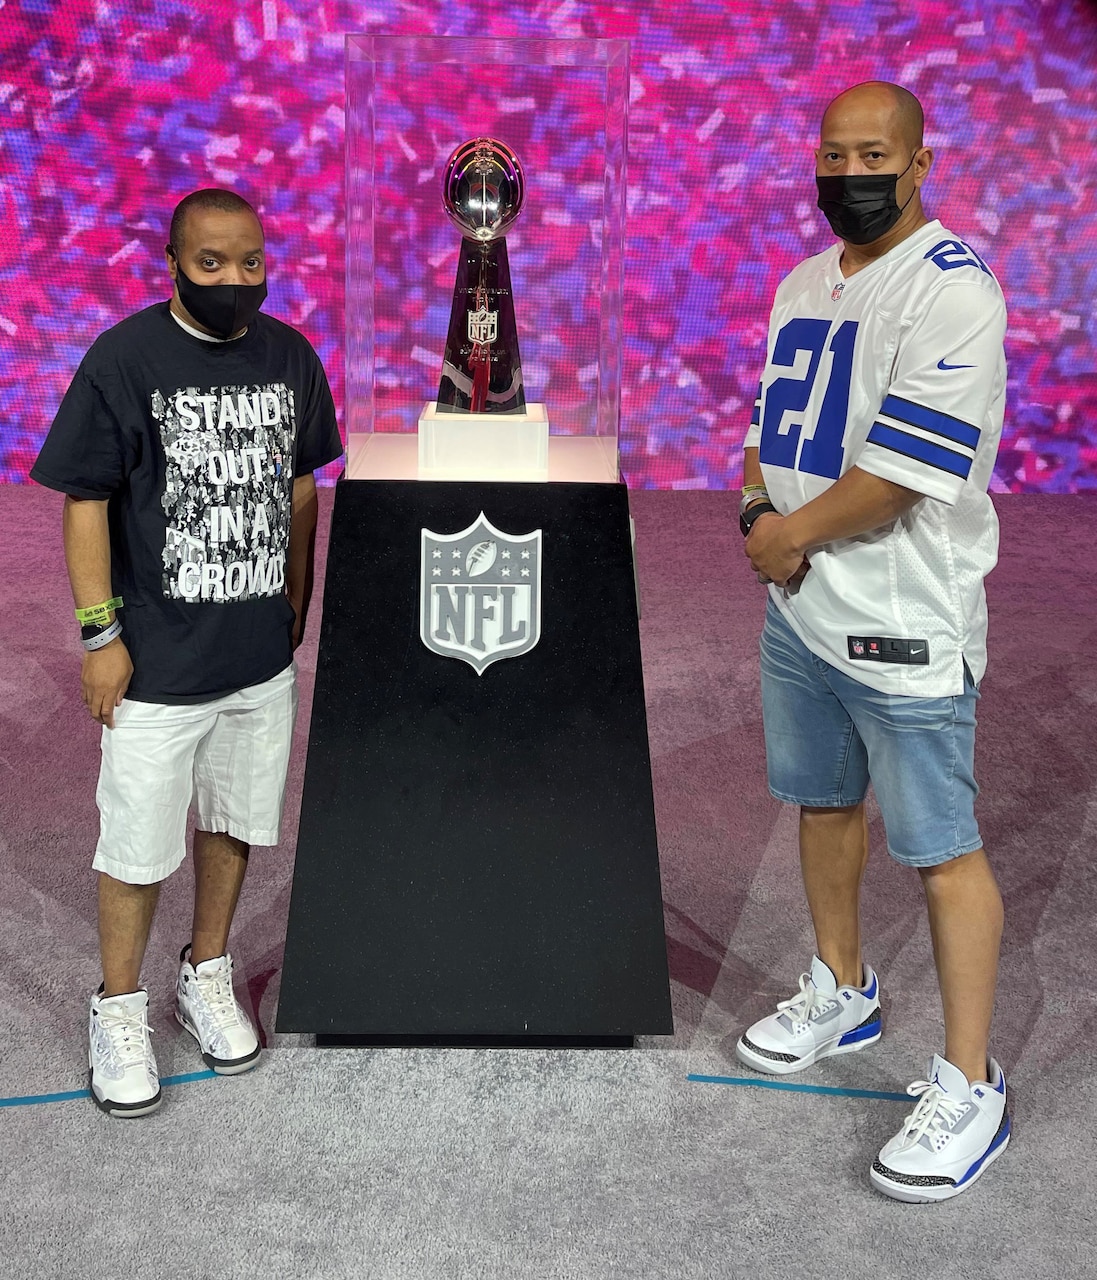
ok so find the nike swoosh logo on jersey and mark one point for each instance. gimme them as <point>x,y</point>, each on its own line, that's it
<point>914,652</point>
<point>946,367</point>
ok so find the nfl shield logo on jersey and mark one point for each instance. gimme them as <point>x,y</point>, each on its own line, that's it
<point>480,593</point>
<point>837,291</point>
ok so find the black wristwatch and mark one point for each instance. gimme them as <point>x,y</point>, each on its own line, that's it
<point>756,509</point>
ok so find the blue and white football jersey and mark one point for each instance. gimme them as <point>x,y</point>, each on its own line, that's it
<point>898,370</point>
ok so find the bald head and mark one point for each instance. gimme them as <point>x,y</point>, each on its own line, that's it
<point>869,133</point>
<point>897,110</point>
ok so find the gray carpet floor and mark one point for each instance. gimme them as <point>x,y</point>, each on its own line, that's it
<point>550,1164</point>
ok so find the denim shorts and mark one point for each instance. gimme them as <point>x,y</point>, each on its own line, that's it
<point>828,736</point>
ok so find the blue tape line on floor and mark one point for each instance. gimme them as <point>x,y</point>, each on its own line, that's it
<point>789,1087</point>
<point>31,1099</point>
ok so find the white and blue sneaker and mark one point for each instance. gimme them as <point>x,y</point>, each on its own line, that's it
<point>822,1020</point>
<point>122,1074</point>
<point>206,1005</point>
<point>948,1140</point>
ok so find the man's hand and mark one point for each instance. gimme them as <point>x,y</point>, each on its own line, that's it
<point>793,584</point>
<point>104,679</point>
<point>771,552</point>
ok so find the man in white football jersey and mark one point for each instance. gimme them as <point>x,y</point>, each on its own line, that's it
<point>865,508</point>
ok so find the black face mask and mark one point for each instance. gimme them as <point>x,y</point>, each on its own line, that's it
<point>223,309</point>
<point>861,207</point>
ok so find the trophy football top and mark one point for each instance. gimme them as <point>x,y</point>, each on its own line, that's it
<point>483,189</point>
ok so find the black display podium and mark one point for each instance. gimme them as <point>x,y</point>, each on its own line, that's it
<point>477,859</point>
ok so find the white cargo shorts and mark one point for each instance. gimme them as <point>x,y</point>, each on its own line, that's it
<point>227,757</point>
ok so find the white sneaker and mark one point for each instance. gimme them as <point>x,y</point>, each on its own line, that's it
<point>122,1074</point>
<point>205,1004</point>
<point>950,1137</point>
<point>823,1020</point>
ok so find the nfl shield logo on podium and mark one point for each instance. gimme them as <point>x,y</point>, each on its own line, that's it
<point>480,593</point>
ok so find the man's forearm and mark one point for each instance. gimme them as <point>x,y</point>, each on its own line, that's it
<point>779,547</point>
<point>752,468</point>
<point>87,551</point>
<point>106,672</point>
<point>857,503</point>
<point>302,543</point>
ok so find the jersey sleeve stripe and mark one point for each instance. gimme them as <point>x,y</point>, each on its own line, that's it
<point>920,449</point>
<point>942,424</point>
<point>756,417</point>
<point>916,433</point>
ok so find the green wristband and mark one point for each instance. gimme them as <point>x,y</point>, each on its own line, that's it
<point>98,612</point>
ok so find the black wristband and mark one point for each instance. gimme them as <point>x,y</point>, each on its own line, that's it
<point>756,509</point>
<point>92,629</point>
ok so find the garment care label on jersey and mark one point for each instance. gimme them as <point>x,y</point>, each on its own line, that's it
<point>888,649</point>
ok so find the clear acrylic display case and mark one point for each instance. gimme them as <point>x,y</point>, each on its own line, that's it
<point>562,105</point>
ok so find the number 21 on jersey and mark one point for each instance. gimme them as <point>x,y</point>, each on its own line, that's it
<point>786,399</point>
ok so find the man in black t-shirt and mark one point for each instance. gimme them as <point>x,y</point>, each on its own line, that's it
<point>185,447</point>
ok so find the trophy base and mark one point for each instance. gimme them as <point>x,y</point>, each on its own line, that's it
<point>483,446</point>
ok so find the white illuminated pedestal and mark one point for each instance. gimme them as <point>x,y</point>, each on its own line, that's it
<point>483,446</point>
<point>395,455</point>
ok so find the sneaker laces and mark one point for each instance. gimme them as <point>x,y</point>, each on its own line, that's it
<point>807,1005</point>
<point>127,1035</point>
<point>935,1112</point>
<point>219,998</point>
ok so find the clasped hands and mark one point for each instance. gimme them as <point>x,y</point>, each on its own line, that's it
<point>771,553</point>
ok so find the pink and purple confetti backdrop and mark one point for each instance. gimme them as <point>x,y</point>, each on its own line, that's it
<point>111,110</point>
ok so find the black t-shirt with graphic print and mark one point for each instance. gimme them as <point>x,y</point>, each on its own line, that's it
<point>196,445</point>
